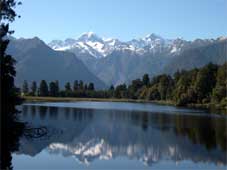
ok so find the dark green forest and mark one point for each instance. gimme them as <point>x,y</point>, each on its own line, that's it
<point>206,85</point>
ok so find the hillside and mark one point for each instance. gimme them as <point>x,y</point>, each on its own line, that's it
<point>36,61</point>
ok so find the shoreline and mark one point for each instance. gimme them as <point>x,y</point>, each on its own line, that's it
<point>72,99</point>
<point>209,107</point>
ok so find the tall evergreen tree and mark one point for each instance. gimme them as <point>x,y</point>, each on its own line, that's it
<point>25,89</point>
<point>75,85</point>
<point>53,89</point>
<point>111,87</point>
<point>68,87</point>
<point>146,79</point>
<point>57,88</point>
<point>43,88</point>
<point>85,87</point>
<point>68,90</point>
<point>34,88</point>
<point>220,91</point>
<point>81,85</point>
<point>91,86</point>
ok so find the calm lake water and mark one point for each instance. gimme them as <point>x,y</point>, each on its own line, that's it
<point>107,135</point>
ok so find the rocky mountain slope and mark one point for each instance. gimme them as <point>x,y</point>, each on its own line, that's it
<point>36,61</point>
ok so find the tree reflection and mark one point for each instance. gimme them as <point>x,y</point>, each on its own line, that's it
<point>33,111</point>
<point>135,134</point>
<point>53,112</point>
<point>10,143</point>
<point>43,112</point>
<point>211,133</point>
<point>67,113</point>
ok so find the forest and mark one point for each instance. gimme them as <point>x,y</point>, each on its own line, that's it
<point>206,85</point>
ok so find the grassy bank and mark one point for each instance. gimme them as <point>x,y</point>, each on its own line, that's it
<point>71,99</point>
<point>74,99</point>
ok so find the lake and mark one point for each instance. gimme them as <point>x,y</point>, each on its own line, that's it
<point>108,135</point>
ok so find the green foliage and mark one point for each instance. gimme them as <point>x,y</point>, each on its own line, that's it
<point>205,82</point>
<point>146,79</point>
<point>75,85</point>
<point>197,86</point>
<point>153,93</point>
<point>43,88</point>
<point>81,85</point>
<point>111,88</point>
<point>53,89</point>
<point>134,88</point>
<point>33,88</point>
<point>91,86</point>
<point>68,90</point>
<point>121,91</point>
<point>220,90</point>
<point>68,87</point>
<point>25,89</point>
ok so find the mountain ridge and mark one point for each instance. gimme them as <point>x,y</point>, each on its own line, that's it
<point>36,61</point>
<point>98,47</point>
<point>121,62</point>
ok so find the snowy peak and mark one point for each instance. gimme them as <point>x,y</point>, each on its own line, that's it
<point>89,36</point>
<point>91,44</point>
<point>152,37</point>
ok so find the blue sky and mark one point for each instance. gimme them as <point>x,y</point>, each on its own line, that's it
<point>123,19</point>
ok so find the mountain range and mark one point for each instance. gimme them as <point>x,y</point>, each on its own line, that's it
<point>115,61</point>
<point>107,61</point>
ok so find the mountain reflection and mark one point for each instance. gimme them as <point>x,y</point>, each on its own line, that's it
<point>90,134</point>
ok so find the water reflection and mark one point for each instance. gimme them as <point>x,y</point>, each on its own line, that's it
<point>91,134</point>
<point>10,143</point>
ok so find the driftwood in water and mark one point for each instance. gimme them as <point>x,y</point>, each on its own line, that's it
<point>35,132</point>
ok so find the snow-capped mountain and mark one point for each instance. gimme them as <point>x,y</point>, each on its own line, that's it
<point>116,62</point>
<point>88,43</point>
<point>92,44</point>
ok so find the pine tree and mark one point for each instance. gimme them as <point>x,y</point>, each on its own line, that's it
<point>43,88</point>
<point>146,79</point>
<point>25,89</point>
<point>91,87</point>
<point>81,85</point>
<point>75,85</point>
<point>57,87</point>
<point>68,87</point>
<point>34,88</point>
<point>111,87</point>
<point>85,87</point>
<point>220,90</point>
<point>53,89</point>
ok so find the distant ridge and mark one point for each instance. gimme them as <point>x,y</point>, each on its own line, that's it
<point>36,61</point>
<point>110,60</point>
